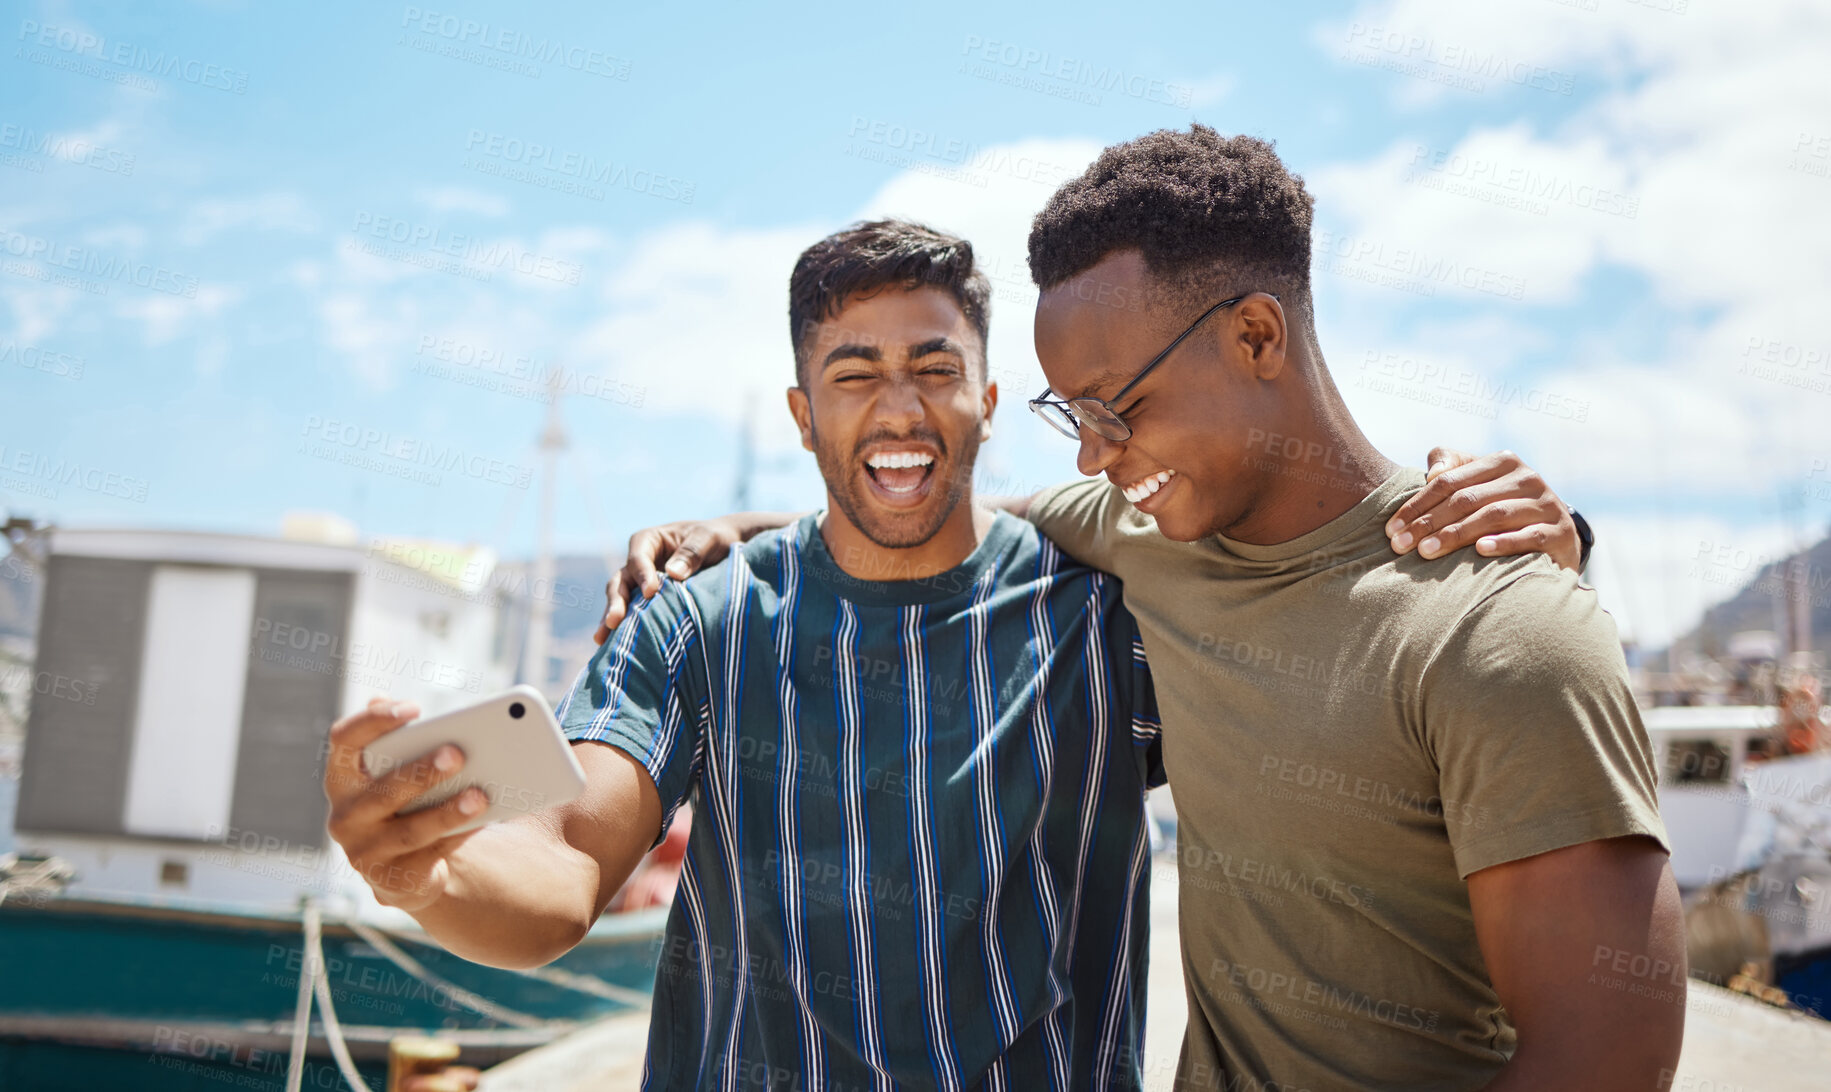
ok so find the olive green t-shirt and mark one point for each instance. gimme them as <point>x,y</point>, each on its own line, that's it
<point>1349,734</point>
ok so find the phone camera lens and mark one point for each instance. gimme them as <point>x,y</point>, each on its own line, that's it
<point>517,710</point>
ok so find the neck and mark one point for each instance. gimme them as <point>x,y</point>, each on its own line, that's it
<point>1298,495</point>
<point>858,556</point>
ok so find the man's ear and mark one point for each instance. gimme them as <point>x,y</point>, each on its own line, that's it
<point>804,416</point>
<point>990,403</point>
<point>1263,335</point>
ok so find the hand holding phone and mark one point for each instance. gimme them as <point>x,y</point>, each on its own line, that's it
<point>405,793</point>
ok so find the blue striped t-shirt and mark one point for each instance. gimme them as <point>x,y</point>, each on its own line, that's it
<point>918,855</point>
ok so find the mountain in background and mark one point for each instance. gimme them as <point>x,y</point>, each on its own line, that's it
<point>1760,603</point>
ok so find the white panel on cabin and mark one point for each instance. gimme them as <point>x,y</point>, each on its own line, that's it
<point>188,725</point>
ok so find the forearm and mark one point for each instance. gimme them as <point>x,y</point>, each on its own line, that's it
<point>1621,1032</point>
<point>1523,1073</point>
<point>517,896</point>
<point>1623,1064</point>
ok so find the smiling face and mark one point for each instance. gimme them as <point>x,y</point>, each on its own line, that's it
<point>1188,463</point>
<point>894,405</point>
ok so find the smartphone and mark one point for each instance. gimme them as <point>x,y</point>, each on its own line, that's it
<point>513,749</point>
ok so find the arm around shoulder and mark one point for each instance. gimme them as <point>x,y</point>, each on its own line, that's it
<point>1080,518</point>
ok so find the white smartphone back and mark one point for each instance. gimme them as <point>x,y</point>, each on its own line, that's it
<point>512,747</point>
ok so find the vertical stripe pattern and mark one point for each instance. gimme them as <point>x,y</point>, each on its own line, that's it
<point>918,836</point>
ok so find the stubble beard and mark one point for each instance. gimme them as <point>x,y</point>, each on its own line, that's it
<point>896,532</point>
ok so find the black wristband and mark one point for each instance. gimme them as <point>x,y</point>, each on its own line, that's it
<point>1585,536</point>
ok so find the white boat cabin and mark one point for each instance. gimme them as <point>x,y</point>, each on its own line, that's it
<point>184,758</point>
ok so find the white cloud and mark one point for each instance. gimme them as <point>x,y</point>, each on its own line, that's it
<point>120,234</point>
<point>1210,90</point>
<point>164,318</point>
<point>992,207</point>
<point>374,335</point>
<point>204,220</point>
<point>78,145</point>
<point>1695,160</point>
<point>699,314</point>
<point>1658,575</point>
<point>39,314</point>
<point>462,199</point>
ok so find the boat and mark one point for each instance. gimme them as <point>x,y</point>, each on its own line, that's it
<point>170,885</point>
<point>1750,828</point>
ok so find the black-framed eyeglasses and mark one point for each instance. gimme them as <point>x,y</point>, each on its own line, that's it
<point>1067,415</point>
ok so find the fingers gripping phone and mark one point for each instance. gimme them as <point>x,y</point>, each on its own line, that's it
<point>513,749</point>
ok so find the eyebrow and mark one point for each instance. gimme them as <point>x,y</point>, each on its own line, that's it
<point>936,345</point>
<point>853,350</point>
<point>856,351</point>
<point>1098,381</point>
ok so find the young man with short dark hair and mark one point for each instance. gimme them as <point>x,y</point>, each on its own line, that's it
<point>917,737</point>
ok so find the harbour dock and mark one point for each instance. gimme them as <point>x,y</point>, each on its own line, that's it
<point>1733,1043</point>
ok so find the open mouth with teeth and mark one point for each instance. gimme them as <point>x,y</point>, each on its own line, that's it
<point>900,476</point>
<point>1141,491</point>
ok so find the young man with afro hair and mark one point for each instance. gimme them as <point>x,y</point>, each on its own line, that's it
<point>1416,800</point>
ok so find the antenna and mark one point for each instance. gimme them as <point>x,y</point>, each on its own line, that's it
<point>746,457</point>
<point>1796,610</point>
<point>534,659</point>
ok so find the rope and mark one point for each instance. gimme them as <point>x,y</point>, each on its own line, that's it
<point>458,993</point>
<point>301,1026</point>
<point>313,983</point>
<point>321,986</point>
<point>41,878</point>
<point>553,976</point>
<point>591,984</point>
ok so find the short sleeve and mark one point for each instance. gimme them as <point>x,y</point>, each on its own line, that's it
<point>1080,518</point>
<point>637,694</point>
<point>1528,712</point>
<point>1132,667</point>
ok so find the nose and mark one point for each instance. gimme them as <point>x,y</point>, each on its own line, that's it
<point>1096,453</point>
<point>899,405</point>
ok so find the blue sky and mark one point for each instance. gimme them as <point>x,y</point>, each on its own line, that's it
<point>256,261</point>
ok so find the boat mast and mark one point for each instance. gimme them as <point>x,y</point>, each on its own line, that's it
<point>534,659</point>
<point>746,457</point>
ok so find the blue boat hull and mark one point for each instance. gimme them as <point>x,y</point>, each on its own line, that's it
<point>104,995</point>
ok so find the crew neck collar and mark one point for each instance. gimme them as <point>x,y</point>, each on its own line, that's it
<point>1375,507</point>
<point>820,564</point>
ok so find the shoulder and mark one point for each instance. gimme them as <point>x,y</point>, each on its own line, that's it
<point>674,611</point>
<point>1031,555</point>
<point>1086,495</point>
<point>701,601</point>
<point>1530,620</point>
<point>753,577</point>
<point>1091,504</point>
<point>762,557</point>
<point>1035,564</point>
